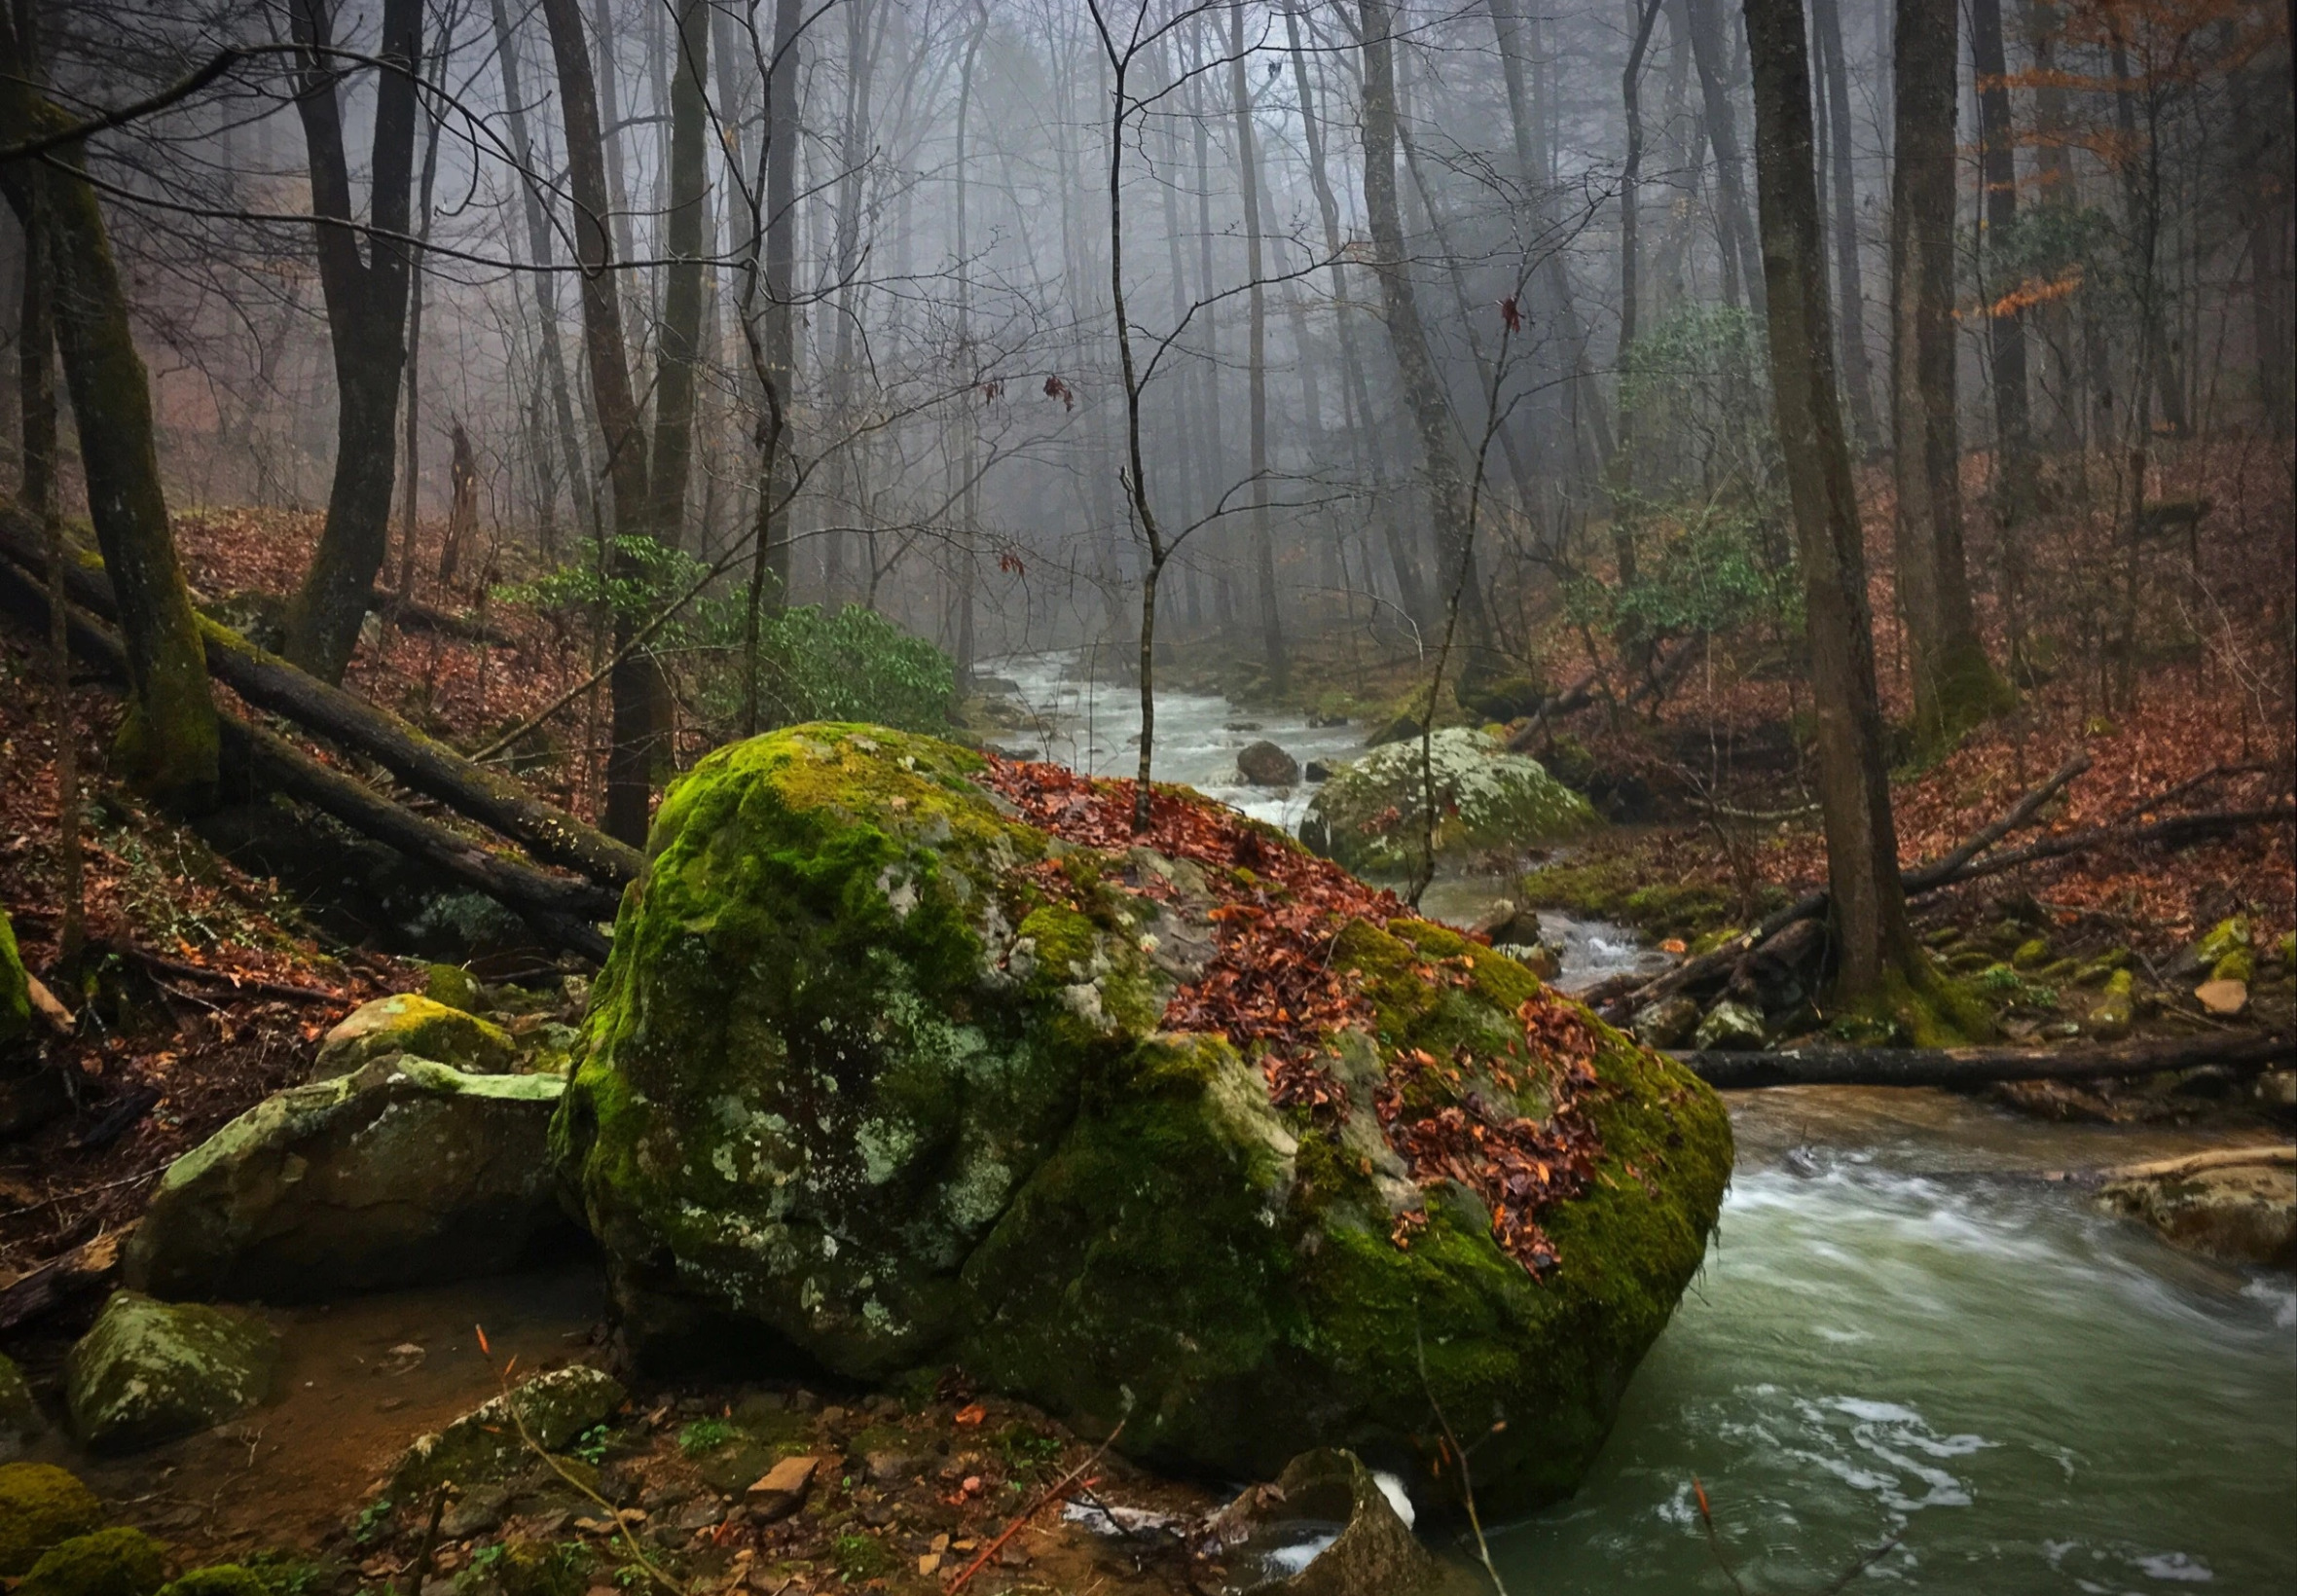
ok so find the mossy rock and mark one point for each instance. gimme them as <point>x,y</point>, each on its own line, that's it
<point>217,1580</point>
<point>405,1173</point>
<point>20,1419</point>
<point>876,1079</point>
<point>455,987</point>
<point>408,1022</point>
<point>40,1507</point>
<point>2031,953</point>
<point>116,1562</point>
<point>16,989</point>
<point>497,1438</point>
<point>2240,965</point>
<point>151,1371</point>
<point>1369,815</point>
<point>2228,936</point>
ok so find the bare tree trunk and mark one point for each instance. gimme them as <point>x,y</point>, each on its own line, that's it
<point>1248,164</point>
<point>367,301</point>
<point>2013,475</point>
<point>1866,902</point>
<point>780,261</point>
<point>1849,289</point>
<point>679,346</point>
<point>166,745</point>
<point>1423,387</point>
<point>545,282</point>
<point>1402,566</point>
<point>629,789</point>
<point>1742,261</point>
<point>1954,685</point>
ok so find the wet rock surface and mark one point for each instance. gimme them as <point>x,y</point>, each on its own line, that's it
<point>2239,1205</point>
<point>1326,1527</point>
<point>406,1171</point>
<point>1266,765</point>
<point>150,1371</point>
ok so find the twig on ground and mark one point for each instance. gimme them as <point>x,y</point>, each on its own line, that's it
<point>1459,1454</point>
<point>1043,1500</point>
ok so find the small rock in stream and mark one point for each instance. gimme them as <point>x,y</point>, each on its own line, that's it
<point>1266,765</point>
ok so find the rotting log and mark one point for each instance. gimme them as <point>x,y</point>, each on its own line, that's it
<point>562,910</point>
<point>424,764</point>
<point>48,1286</point>
<point>1981,1066</point>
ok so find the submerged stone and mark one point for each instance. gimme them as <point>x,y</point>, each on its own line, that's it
<point>152,1371</point>
<point>405,1173</point>
<point>1369,815</point>
<point>877,1079</point>
<point>408,1022</point>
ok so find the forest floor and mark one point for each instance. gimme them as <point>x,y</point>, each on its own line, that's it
<point>213,987</point>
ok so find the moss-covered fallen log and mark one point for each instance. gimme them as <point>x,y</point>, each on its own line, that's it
<point>1982,1065</point>
<point>563,911</point>
<point>424,764</point>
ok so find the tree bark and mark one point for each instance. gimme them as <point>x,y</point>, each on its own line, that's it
<point>1248,164</point>
<point>1740,254</point>
<point>1954,685</point>
<point>780,263</point>
<point>1867,901</point>
<point>1407,338</point>
<point>367,299</point>
<point>167,746</point>
<point>628,788</point>
<point>1849,287</point>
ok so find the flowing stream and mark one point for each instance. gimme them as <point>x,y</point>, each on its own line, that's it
<point>1909,1326</point>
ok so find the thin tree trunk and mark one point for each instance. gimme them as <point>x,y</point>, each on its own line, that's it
<point>1954,686</point>
<point>167,746</point>
<point>1248,164</point>
<point>1866,902</point>
<point>1423,389</point>
<point>367,302</point>
<point>2013,475</point>
<point>780,262</point>
<point>1644,14</point>
<point>1741,262</point>
<point>630,686</point>
<point>1849,288</point>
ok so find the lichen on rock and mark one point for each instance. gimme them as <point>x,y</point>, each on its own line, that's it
<point>495,1440</point>
<point>904,1059</point>
<point>1369,815</point>
<point>404,1172</point>
<point>150,1371</point>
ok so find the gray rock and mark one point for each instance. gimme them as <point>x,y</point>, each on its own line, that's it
<point>20,1419</point>
<point>407,1172</point>
<point>152,1371</point>
<point>1730,1025</point>
<point>1266,765</point>
<point>487,1445</point>
<point>1367,817</point>
<point>408,1022</point>
<point>1666,1023</point>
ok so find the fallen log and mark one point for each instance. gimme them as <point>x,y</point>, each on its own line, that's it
<point>2265,1155</point>
<point>423,763</point>
<point>563,911</point>
<point>1979,1066</point>
<point>1582,693</point>
<point>413,615</point>
<point>48,1286</point>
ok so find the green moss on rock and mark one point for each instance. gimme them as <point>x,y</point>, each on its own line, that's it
<point>117,1562</point>
<point>1369,815</point>
<point>875,1077</point>
<point>408,1022</point>
<point>40,1507</point>
<point>492,1441</point>
<point>16,992</point>
<point>150,1371</point>
<point>455,987</point>
<point>217,1580</point>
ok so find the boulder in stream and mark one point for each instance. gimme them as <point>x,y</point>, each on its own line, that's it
<point>151,1371</point>
<point>1325,1528</point>
<point>406,1173</point>
<point>2237,1205</point>
<point>883,1077</point>
<point>1266,765</point>
<point>1369,815</point>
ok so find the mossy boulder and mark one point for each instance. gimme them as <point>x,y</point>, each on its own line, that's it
<point>878,1079</point>
<point>19,1415</point>
<point>497,1438</point>
<point>117,1562</point>
<point>217,1580</point>
<point>406,1173</point>
<point>16,988</point>
<point>40,1507</point>
<point>2228,936</point>
<point>408,1022</point>
<point>151,1371</point>
<point>1369,815</point>
<point>455,987</point>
